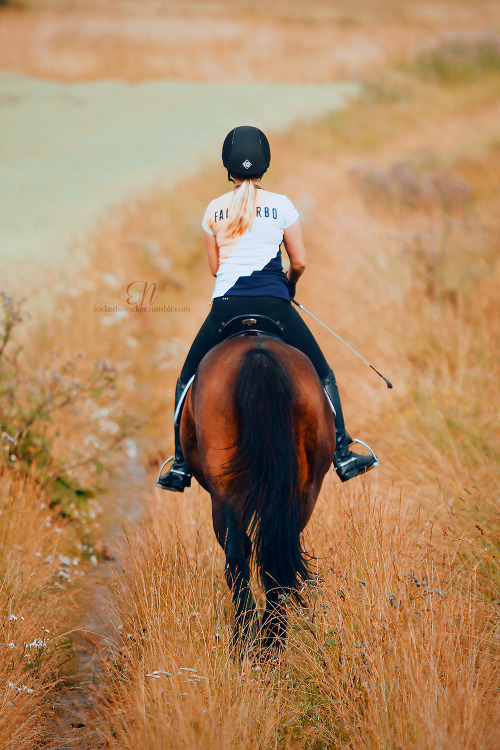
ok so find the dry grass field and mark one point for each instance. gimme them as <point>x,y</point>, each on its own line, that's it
<point>287,40</point>
<point>397,646</point>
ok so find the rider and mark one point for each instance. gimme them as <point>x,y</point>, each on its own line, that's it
<point>243,232</point>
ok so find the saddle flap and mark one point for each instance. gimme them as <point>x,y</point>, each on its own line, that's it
<point>251,325</point>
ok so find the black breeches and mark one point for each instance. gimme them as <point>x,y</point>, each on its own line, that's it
<point>295,331</point>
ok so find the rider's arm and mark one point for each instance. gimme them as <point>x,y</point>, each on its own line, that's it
<point>212,252</point>
<point>294,246</point>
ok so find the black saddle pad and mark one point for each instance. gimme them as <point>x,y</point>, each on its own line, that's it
<point>251,325</point>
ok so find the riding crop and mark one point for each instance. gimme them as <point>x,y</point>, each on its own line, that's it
<point>389,385</point>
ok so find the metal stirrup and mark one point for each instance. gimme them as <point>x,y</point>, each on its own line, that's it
<point>163,466</point>
<point>368,447</point>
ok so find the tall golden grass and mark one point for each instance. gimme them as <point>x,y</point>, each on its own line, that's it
<point>394,648</point>
<point>36,613</point>
<point>49,524</point>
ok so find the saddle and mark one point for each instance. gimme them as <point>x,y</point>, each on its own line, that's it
<point>251,325</point>
<point>241,325</point>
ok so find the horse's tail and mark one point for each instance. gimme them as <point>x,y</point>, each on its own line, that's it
<point>264,471</point>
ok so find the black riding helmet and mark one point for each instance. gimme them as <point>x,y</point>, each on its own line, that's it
<point>246,153</point>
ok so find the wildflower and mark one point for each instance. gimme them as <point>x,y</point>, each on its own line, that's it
<point>13,617</point>
<point>12,645</point>
<point>92,440</point>
<point>37,643</point>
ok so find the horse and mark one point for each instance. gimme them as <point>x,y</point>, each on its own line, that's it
<point>257,432</point>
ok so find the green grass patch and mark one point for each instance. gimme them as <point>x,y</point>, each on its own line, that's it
<point>460,57</point>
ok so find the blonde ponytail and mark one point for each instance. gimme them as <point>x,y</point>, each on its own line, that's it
<point>242,212</point>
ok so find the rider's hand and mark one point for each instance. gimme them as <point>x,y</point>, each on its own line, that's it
<point>291,289</point>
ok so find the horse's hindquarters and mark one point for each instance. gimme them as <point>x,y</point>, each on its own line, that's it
<point>211,421</point>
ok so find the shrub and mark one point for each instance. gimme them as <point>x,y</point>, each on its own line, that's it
<point>402,185</point>
<point>460,56</point>
<point>34,436</point>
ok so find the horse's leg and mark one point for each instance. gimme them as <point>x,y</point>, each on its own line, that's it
<point>237,570</point>
<point>274,620</point>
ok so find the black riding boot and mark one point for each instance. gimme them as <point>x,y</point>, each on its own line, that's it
<point>178,476</point>
<point>347,464</point>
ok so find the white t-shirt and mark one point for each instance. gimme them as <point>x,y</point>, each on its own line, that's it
<point>250,265</point>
